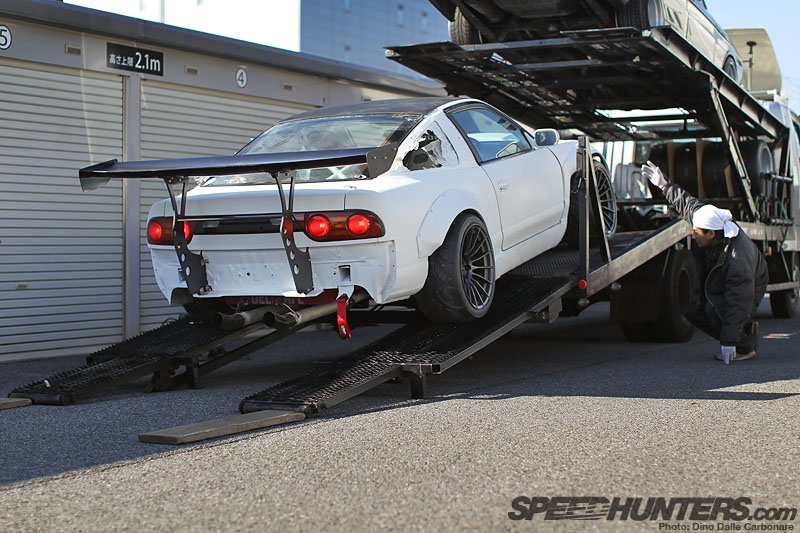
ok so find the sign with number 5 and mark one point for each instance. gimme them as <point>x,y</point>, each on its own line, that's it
<point>5,37</point>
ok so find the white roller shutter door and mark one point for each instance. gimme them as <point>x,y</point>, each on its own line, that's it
<point>60,249</point>
<point>179,121</point>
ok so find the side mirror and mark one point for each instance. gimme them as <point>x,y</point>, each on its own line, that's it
<point>546,137</point>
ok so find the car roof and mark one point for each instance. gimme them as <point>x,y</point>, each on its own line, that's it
<point>411,107</point>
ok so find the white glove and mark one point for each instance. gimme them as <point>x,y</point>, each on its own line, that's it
<point>653,173</point>
<point>728,353</point>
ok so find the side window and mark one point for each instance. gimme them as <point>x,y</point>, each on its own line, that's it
<point>491,136</point>
<point>432,150</point>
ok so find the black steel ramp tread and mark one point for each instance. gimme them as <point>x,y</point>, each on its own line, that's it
<point>421,343</point>
<point>126,361</point>
<point>171,339</point>
<point>563,261</point>
<point>66,387</point>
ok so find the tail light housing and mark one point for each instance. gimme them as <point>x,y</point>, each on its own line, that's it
<point>318,226</point>
<point>159,230</point>
<point>342,225</point>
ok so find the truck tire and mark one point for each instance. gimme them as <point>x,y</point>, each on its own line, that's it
<point>462,31</point>
<point>677,292</point>
<point>608,201</point>
<point>715,161</point>
<point>685,172</point>
<point>639,14</point>
<point>758,161</point>
<point>784,303</point>
<point>461,274</point>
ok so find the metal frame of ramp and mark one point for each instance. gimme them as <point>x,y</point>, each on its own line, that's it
<point>159,353</point>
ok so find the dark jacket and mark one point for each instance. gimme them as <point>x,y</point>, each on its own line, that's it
<point>737,278</point>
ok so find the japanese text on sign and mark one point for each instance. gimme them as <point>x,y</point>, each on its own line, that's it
<point>123,57</point>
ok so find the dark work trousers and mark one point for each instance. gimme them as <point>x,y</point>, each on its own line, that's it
<point>702,312</point>
<point>707,320</point>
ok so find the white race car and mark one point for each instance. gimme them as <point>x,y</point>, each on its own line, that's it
<point>430,198</point>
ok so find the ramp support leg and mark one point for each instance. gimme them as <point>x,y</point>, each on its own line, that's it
<point>193,372</point>
<point>159,381</point>
<point>417,379</point>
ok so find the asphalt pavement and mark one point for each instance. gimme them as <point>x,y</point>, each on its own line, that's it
<point>563,410</point>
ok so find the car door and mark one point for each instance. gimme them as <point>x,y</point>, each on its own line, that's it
<point>671,13</point>
<point>702,33</point>
<point>528,182</point>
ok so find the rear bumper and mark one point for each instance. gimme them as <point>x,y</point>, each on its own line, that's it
<point>370,265</point>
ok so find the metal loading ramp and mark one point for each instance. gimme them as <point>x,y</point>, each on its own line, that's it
<point>532,291</point>
<point>158,352</point>
<point>562,82</point>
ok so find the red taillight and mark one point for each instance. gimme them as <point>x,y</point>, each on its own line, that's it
<point>342,225</point>
<point>318,226</point>
<point>159,230</point>
<point>155,231</point>
<point>358,224</point>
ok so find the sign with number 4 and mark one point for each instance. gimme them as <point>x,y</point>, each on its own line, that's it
<point>241,78</point>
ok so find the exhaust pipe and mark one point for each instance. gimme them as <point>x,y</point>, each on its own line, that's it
<point>243,319</point>
<point>308,314</point>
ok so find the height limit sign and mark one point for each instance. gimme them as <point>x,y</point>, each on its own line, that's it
<point>123,57</point>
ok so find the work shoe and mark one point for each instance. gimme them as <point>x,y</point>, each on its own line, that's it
<point>739,356</point>
<point>751,330</point>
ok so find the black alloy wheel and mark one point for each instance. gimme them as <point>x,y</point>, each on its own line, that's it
<point>477,267</point>
<point>608,200</point>
<point>461,274</point>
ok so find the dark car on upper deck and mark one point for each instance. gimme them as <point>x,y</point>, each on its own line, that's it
<point>485,21</point>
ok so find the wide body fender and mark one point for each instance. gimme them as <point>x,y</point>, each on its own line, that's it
<point>445,209</point>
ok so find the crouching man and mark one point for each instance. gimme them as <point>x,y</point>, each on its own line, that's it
<point>731,269</point>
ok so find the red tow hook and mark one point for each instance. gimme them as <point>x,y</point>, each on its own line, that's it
<point>341,317</point>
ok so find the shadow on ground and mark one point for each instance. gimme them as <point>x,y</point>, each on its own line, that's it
<point>581,357</point>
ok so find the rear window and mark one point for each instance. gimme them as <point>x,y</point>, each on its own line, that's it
<point>331,133</point>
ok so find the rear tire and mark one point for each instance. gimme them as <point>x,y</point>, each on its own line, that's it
<point>639,14</point>
<point>758,161</point>
<point>462,31</point>
<point>608,201</point>
<point>676,292</point>
<point>461,274</point>
<point>729,68</point>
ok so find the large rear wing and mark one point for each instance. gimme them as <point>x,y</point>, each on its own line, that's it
<point>378,161</point>
<point>281,166</point>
